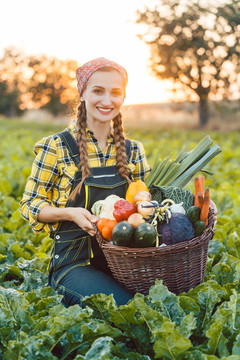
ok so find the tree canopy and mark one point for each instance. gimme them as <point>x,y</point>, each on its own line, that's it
<point>28,82</point>
<point>196,45</point>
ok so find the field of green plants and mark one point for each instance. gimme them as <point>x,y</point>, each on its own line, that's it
<point>202,324</point>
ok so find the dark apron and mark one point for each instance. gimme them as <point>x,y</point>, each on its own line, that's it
<point>73,246</point>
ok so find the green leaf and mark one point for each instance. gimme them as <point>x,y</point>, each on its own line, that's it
<point>86,332</point>
<point>103,348</point>
<point>233,244</point>
<point>178,195</point>
<point>236,346</point>
<point>227,270</point>
<point>162,300</point>
<point>198,355</point>
<point>129,319</point>
<point>188,304</point>
<point>217,342</point>
<point>152,318</point>
<point>206,295</point>
<point>169,344</point>
<point>222,327</point>
<point>216,250</point>
<point>187,325</point>
<point>13,350</point>
<point>101,304</point>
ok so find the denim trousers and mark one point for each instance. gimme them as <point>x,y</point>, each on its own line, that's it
<point>85,281</point>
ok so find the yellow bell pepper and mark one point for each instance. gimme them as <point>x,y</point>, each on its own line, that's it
<point>135,187</point>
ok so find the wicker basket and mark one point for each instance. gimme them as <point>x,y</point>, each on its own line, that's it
<point>181,266</point>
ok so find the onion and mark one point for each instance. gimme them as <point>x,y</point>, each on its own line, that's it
<point>135,220</point>
<point>142,196</point>
<point>145,212</point>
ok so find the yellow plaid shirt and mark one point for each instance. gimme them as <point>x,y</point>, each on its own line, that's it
<point>53,173</point>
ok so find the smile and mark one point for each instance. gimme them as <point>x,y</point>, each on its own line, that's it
<point>104,111</point>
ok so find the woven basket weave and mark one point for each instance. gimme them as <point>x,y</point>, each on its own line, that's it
<point>181,266</point>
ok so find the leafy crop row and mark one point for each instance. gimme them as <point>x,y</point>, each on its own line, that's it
<point>202,324</point>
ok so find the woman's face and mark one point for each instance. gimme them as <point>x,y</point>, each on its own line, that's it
<point>103,96</point>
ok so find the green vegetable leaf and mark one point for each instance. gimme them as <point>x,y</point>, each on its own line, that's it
<point>178,195</point>
<point>206,295</point>
<point>162,300</point>
<point>236,346</point>
<point>101,304</point>
<point>130,320</point>
<point>103,348</point>
<point>233,244</point>
<point>169,344</point>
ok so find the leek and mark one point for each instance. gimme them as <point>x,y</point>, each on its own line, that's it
<point>180,171</point>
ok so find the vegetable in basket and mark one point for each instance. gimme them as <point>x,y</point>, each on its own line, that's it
<point>193,213</point>
<point>104,208</point>
<point>123,209</point>
<point>180,171</point>
<point>199,227</point>
<point>135,220</point>
<point>106,226</point>
<point>145,235</point>
<point>135,187</point>
<point>178,229</point>
<point>142,196</point>
<point>202,198</point>
<point>122,234</point>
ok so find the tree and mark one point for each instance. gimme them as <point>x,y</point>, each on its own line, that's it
<point>28,82</point>
<point>53,83</point>
<point>10,75</point>
<point>9,105</point>
<point>195,45</point>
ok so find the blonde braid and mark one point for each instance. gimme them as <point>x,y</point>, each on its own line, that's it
<point>121,154</point>
<point>82,143</point>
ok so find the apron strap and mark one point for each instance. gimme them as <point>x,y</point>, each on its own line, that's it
<point>73,149</point>
<point>71,145</point>
<point>128,146</point>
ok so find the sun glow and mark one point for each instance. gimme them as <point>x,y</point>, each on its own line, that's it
<point>83,30</point>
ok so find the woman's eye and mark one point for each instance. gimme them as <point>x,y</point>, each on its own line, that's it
<point>117,93</point>
<point>98,91</point>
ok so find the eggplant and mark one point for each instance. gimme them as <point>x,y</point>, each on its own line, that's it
<point>179,228</point>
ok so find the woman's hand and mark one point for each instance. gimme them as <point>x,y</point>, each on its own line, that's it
<point>83,218</point>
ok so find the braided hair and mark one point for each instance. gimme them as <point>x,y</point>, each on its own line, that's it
<point>119,140</point>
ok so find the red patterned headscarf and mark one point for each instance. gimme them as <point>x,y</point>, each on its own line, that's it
<point>85,71</point>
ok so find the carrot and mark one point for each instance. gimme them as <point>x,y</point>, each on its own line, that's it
<point>205,207</point>
<point>202,182</point>
<point>197,185</point>
<point>200,200</point>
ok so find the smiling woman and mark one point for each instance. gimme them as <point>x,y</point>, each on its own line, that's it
<point>73,169</point>
<point>103,96</point>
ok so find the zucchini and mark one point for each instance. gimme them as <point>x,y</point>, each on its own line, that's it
<point>122,234</point>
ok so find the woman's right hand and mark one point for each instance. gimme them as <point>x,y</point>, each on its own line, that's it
<point>83,218</point>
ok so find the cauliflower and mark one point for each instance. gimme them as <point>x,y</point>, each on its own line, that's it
<point>104,208</point>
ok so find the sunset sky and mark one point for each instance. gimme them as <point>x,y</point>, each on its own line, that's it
<point>83,30</point>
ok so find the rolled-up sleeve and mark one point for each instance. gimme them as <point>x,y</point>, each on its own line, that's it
<point>138,162</point>
<point>38,190</point>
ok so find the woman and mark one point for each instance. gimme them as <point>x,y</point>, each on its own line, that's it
<point>87,162</point>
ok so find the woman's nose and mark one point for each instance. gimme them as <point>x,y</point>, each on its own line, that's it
<point>106,99</point>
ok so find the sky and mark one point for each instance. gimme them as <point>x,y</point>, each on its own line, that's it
<point>83,30</point>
